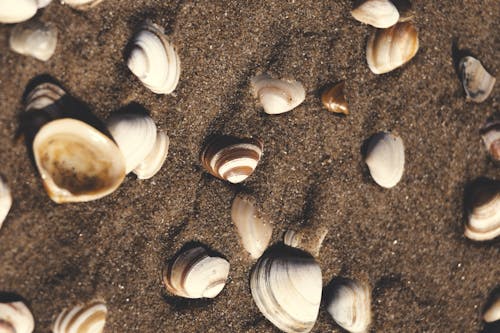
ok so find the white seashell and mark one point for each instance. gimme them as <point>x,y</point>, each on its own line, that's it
<point>391,48</point>
<point>491,138</point>
<point>45,96</point>
<point>385,158</point>
<point>15,11</point>
<point>194,274</point>
<point>286,286</point>
<point>135,134</point>
<point>81,4</point>
<point>15,317</point>
<point>484,212</point>
<point>308,238</point>
<point>155,159</point>
<point>255,232</point>
<point>278,96</point>
<point>77,162</point>
<point>378,13</point>
<point>350,305</point>
<point>492,313</point>
<point>154,60</point>
<point>477,82</point>
<point>89,318</point>
<point>34,39</point>
<point>5,201</point>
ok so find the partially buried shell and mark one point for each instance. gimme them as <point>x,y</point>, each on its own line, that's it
<point>491,138</point>
<point>334,99</point>
<point>81,4</point>
<point>391,48</point>
<point>154,59</point>
<point>45,96</point>
<point>231,158</point>
<point>155,159</point>
<point>88,318</point>
<point>286,285</point>
<point>34,39</point>
<point>308,238</point>
<point>385,158</point>
<point>254,229</point>
<point>15,317</point>
<point>15,11</point>
<point>477,82</point>
<point>5,200</point>
<point>350,305</point>
<point>278,96</point>
<point>195,274</point>
<point>492,312</point>
<point>378,13</point>
<point>483,211</point>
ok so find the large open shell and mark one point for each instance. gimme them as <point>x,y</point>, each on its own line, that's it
<point>491,138</point>
<point>88,318</point>
<point>15,11</point>
<point>34,38</point>
<point>484,211</point>
<point>81,4</point>
<point>477,82</point>
<point>278,96</point>
<point>15,317</point>
<point>385,158</point>
<point>155,159</point>
<point>5,200</point>
<point>378,13</point>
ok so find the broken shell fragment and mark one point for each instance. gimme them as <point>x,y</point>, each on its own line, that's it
<point>155,159</point>
<point>195,274</point>
<point>15,11</point>
<point>385,158</point>
<point>254,230</point>
<point>477,82</point>
<point>15,317</point>
<point>34,39</point>
<point>391,48</point>
<point>484,211</point>
<point>308,238</point>
<point>231,158</point>
<point>334,99</point>
<point>492,313</point>
<point>5,201</point>
<point>491,138</point>
<point>89,318</point>
<point>378,13</point>
<point>278,96</point>
<point>81,4</point>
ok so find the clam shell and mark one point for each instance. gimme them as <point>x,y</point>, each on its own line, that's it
<point>378,13</point>
<point>194,274</point>
<point>77,162</point>
<point>254,230</point>
<point>477,82</point>
<point>15,11</point>
<point>89,318</point>
<point>286,286</point>
<point>491,138</point>
<point>308,238</point>
<point>492,313</point>
<point>154,60</point>
<point>5,201</point>
<point>334,99</point>
<point>350,305</point>
<point>484,212</point>
<point>155,159</point>
<point>34,39</point>
<point>278,96</point>
<point>230,158</point>
<point>391,48</point>
<point>81,4</point>
<point>15,317</point>
<point>45,96</point>
<point>385,158</point>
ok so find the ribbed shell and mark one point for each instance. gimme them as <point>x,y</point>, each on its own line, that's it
<point>5,200</point>
<point>15,11</point>
<point>45,96</point>
<point>15,317</point>
<point>484,212</point>
<point>307,238</point>
<point>278,96</point>
<point>89,318</point>
<point>385,158</point>
<point>491,138</point>
<point>334,99</point>
<point>378,13</point>
<point>477,82</point>
<point>34,38</point>
<point>81,4</point>
<point>155,159</point>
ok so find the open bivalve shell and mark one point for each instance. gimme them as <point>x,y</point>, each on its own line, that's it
<point>308,238</point>
<point>15,317</point>
<point>350,305</point>
<point>155,159</point>
<point>77,162</point>
<point>154,60</point>
<point>385,158</point>
<point>391,48</point>
<point>491,138</point>
<point>254,230</point>
<point>378,13</point>
<point>477,82</point>
<point>286,286</point>
<point>484,211</point>
<point>15,11</point>
<point>231,158</point>
<point>278,96</point>
<point>492,313</point>
<point>5,200</point>
<point>34,39</point>
<point>89,318</point>
<point>195,274</point>
<point>81,4</point>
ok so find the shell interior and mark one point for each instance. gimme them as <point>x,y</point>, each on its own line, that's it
<point>385,158</point>
<point>278,96</point>
<point>477,82</point>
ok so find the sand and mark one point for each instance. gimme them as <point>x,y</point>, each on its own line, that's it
<point>407,242</point>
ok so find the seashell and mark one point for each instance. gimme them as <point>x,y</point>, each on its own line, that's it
<point>154,60</point>
<point>334,99</point>
<point>491,138</point>
<point>81,4</point>
<point>34,39</point>
<point>391,48</point>
<point>15,317</point>
<point>155,159</point>
<point>135,134</point>
<point>308,238</point>
<point>88,318</point>
<point>492,313</point>
<point>15,11</point>
<point>350,305</point>
<point>378,13</point>
<point>230,158</point>
<point>278,96</point>
<point>77,162</point>
<point>194,274</point>
<point>477,82</point>
<point>255,232</point>
<point>286,286</point>
<point>385,158</point>
<point>5,201</point>
<point>45,96</point>
<point>484,211</point>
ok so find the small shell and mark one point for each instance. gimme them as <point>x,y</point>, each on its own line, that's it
<point>378,13</point>
<point>194,274</point>
<point>81,4</point>
<point>350,305</point>
<point>155,159</point>
<point>45,96</point>
<point>391,48</point>
<point>492,313</point>
<point>385,158</point>
<point>5,201</point>
<point>308,238</point>
<point>77,162</point>
<point>278,96</point>
<point>491,139</point>
<point>230,158</point>
<point>334,99</point>
<point>15,317</point>
<point>34,39</point>
<point>135,134</point>
<point>154,60</point>
<point>89,318</point>
<point>484,212</point>
<point>15,11</point>
<point>477,82</point>
<point>255,232</point>
<point>286,286</point>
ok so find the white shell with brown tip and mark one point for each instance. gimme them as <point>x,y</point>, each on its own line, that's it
<point>385,158</point>
<point>15,317</point>
<point>155,159</point>
<point>34,39</point>
<point>88,318</point>
<point>378,13</point>
<point>278,96</point>
<point>477,82</point>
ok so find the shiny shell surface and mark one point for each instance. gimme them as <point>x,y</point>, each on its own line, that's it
<point>88,318</point>
<point>278,96</point>
<point>385,158</point>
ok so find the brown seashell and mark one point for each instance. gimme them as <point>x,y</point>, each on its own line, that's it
<point>334,99</point>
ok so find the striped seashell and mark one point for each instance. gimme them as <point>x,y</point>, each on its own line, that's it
<point>484,211</point>
<point>15,11</point>
<point>45,96</point>
<point>81,4</point>
<point>15,317</point>
<point>5,200</point>
<point>34,38</point>
<point>88,318</point>
<point>477,82</point>
<point>491,138</point>
<point>307,238</point>
<point>231,158</point>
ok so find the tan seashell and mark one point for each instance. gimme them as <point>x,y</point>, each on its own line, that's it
<point>89,318</point>
<point>278,96</point>
<point>491,138</point>
<point>155,159</point>
<point>15,11</point>
<point>385,158</point>
<point>81,4</point>
<point>34,38</point>
<point>334,99</point>
<point>307,238</point>
<point>477,82</point>
<point>5,201</point>
<point>15,317</point>
<point>492,313</point>
<point>484,211</point>
<point>378,13</point>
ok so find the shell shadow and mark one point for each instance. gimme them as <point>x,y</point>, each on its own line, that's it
<point>9,297</point>
<point>457,54</point>
<point>132,108</point>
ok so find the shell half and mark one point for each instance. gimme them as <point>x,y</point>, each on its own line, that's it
<point>81,4</point>
<point>278,96</point>
<point>34,39</point>
<point>15,317</point>
<point>477,82</point>
<point>385,158</point>
<point>5,201</point>
<point>15,11</point>
<point>484,212</point>
<point>378,13</point>
<point>492,313</point>
<point>89,318</point>
<point>491,138</point>
<point>155,159</point>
